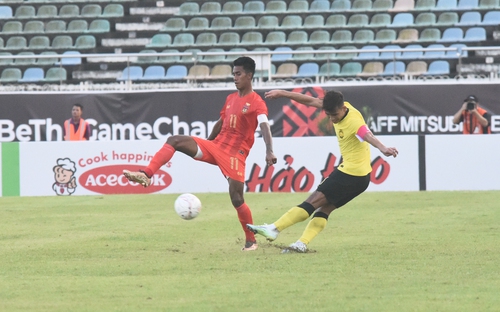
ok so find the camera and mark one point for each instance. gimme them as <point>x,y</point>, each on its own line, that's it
<point>471,105</point>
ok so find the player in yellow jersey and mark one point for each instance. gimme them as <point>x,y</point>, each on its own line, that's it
<point>349,180</point>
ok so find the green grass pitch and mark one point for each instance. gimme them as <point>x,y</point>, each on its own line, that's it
<point>388,251</point>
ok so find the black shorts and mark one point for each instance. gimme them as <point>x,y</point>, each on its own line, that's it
<point>340,188</point>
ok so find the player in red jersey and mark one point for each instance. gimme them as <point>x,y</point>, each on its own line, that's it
<point>227,146</point>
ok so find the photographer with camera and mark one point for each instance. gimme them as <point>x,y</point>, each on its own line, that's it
<point>476,119</point>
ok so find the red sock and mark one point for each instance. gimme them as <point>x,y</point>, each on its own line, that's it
<point>245,217</point>
<point>159,159</point>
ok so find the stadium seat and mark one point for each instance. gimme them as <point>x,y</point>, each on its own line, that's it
<point>251,38</point>
<point>91,10</point>
<point>1,43</point>
<point>382,5</point>
<point>47,11</point>
<point>304,56</point>
<point>71,60</point>
<point>206,39</point>
<point>275,38</point>
<point>268,21</point>
<point>402,20</point>
<point>425,5</point>
<point>244,22</point>
<point>113,10</point>
<point>319,37</point>
<point>281,57</point>
<point>11,75</point>
<point>341,36</point>
<point>169,58</point>
<point>16,43</point>
<point>467,4</point>
<point>447,19</point>
<point>25,61</point>
<point>6,61</point>
<point>221,22</point>
<point>452,34</point>
<point>357,20</point>
<point>298,6</point>
<point>24,12</point>
<point>286,70</point>
<point>307,70</point>
<point>438,68</point>
<point>229,38</point>
<point>325,56</point>
<point>403,6</point>
<point>77,26</point>
<point>232,7</point>
<point>475,34</point>
<point>434,54</point>
<point>380,20</point>
<point>69,10</point>
<point>99,26</point>
<point>39,42</point>
<point>385,35</point>
<point>34,27</point>
<point>346,55</point>
<point>176,72</point>
<point>407,35</point>
<point>470,18</point>
<point>12,27</point>
<point>56,74</point>
<point>351,69</point>
<point>416,68</point>
<point>314,21</point>
<point>329,69</point>
<point>291,21</point>
<point>319,6</point>
<point>47,60</point>
<point>430,34</point>
<point>264,73</point>
<point>221,72</point>
<point>131,73</point>
<point>33,74</point>
<point>372,69</point>
<point>210,7</point>
<point>5,12</point>
<point>394,68</point>
<point>368,55</point>
<point>425,19</point>
<point>340,5</point>
<point>254,7</point>
<point>56,26</point>
<point>189,8</point>
<point>198,72</point>
<point>192,57</point>
<point>360,5</point>
<point>198,23</point>
<point>147,59</point>
<point>174,24</point>
<point>390,55</point>
<point>460,52</point>
<point>336,20</point>
<point>276,6</point>
<point>153,72</point>
<point>232,57</point>
<point>84,42</point>
<point>218,58</point>
<point>489,4</point>
<point>363,36</point>
<point>297,37</point>
<point>412,54</point>
<point>182,39</point>
<point>446,5</point>
<point>490,18</point>
<point>62,42</point>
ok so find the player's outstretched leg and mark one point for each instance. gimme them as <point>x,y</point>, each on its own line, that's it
<point>269,231</point>
<point>138,176</point>
<point>298,246</point>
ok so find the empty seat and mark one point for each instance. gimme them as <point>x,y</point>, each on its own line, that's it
<point>297,37</point>
<point>291,21</point>
<point>56,74</point>
<point>325,55</point>
<point>390,52</point>
<point>239,52</point>
<point>113,10</point>
<point>394,68</point>
<point>147,59</point>
<point>341,36</point>
<point>192,57</point>
<point>47,11</point>
<point>264,73</point>
<point>281,56</point>
<point>39,42</point>
<point>268,21</point>
<point>210,7</point>
<point>6,61</point>
<point>77,26</point>
<point>382,5</point>
<point>131,73</point>
<point>336,20</point>
<point>475,34</point>
<point>452,34</point>
<point>91,10</point>
<point>407,35</point>
<point>329,69</point>
<point>251,38</point>
<point>33,74</point>
<point>56,26</point>
<point>34,27</point>
<point>198,23</point>
<point>380,20</point>
<point>447,18</point>
<point>206,39</point>
<point>5,12</point>
<point>357,20</point>
<point>489,4</point>
<point>434,54</point>
<point>425,19</point>
<point>314,21</point>
<point>76,60</point>
<point>12,27</point>
<point>459,52</point>
<point>467,4</point>
<point>304,56</point>
<point>254,7</point>
<point>319,5</point>
<point>11,75</point>
<point>182,39</point>
<point>189,8</point>
<point>385,35</point>
<point>286,70</point>
<point>216,58</point>
<point>16,43</point>
<point>409,54</point>
<point>368,55</point>
<point>25,61</point>
<point>446,4</point>
<point>221,22</point>
<point>402,20</point>
<point>372,69</point>
<point>276,6</point>
<point>298,6</point>
<point>491,18</point>
<point>430,34</point>
<point>198,72</point>
<point>425,4</point>
<point>346,53</point>
<point>176,72</point>
<point>169,58</point>
<point>99,26</point>
<point>416,68</point>
<point>229,38</point>
<point>360,5</point>
<point>25,11</point>
<point>403,5</point>
<point>174,24</point>
<point>438,68</point>
<point>308,69</point>
<point>363,36</point>
<point>153,72</point>
<point>47,60</point>
<point>69,10</point>
<point>319,36</point>
<point>85,42</point>
<point>351,69</point>
<point>232,7</point>
<point>470,18</point>
<point>62,42</point>
<point>221,71</point>
<point>244,22</point>
<point>340,5</point>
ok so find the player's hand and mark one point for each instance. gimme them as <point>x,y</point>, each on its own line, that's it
<point>271,159</point>
<point>273,94</point>
<point>390,151</point>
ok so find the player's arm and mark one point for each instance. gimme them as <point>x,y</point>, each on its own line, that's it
<point>365,134</point>
<point>297,97</point>
<point>215,130</point>
<point>265,129</point>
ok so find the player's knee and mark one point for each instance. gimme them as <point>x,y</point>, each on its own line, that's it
<point>237,202</point>
<point>307,207</point>
<point>174,141</point>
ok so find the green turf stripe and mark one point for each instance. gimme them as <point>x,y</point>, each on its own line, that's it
<point>10,169</point>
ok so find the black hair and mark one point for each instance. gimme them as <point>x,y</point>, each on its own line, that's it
<point>332,101</point>
<point>78,105</point>
<point>247,62</point>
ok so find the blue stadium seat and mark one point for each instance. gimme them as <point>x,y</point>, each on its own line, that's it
<point>153,72</point>
<point>388,55</point>
<point>33,74</point>
<point>132,73</point>
<point>176,72</point>
<point>308,69</point>
<point>281,57</point>
<point>340,5</point>
<point>402,20</point>
<point>434,54</point>
<point>475,34</point>
<point>298,6</point>
<point>438,68</point>
<point>491,18</point>
<point>319,6</point>
<point>71,60</point>
<point>460,52</point>
<point>368,55</point>
<point>471,18</point>
<point>412,54</point>
<point>5,12</point>
<point>467,4</point>
<point>394,68</point>
<point>452,34</point>
<point>446,5</point>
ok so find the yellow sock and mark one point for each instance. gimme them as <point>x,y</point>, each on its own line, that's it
<point>292,216</point>
<point>313,228</point>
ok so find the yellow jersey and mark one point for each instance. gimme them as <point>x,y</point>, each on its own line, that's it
<point>354,150</point>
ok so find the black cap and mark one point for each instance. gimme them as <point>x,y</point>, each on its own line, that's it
<point>471,98</point>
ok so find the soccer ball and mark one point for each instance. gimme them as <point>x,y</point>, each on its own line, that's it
<point>187,206</point>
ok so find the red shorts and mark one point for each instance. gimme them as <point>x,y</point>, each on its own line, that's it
<point>231,166</point>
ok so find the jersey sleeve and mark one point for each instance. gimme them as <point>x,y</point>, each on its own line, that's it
<point>260,106</point>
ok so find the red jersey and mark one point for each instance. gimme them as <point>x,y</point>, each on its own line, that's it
<point>239,116</point>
